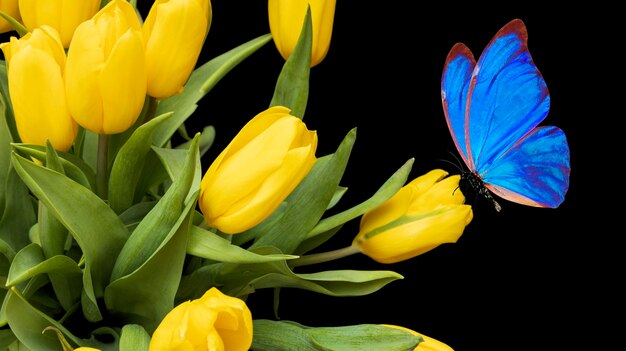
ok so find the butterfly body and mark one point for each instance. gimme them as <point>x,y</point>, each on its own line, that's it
<point>493,107</point>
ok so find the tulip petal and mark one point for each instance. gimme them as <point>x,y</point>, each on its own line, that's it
<point>122,83</point>
<point>34,75</point>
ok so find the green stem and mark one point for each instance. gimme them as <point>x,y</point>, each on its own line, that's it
<point>324,256</point>
<point>102,172</point>
<point>153,103</point>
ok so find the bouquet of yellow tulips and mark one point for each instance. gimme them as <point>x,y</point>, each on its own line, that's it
<point>114,232</point>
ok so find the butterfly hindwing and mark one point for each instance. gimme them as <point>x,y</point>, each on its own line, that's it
<point>535,171</point>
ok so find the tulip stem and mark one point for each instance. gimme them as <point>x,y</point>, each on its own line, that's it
<point>324,256</point>
<point>102,172</point>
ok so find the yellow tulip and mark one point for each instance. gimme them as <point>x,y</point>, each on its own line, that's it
<point>35,76</point>
<point>10,8</point>
<point>62,15</point>
<point>286,18</point>
<point>424,214</point>
<point>105,77</point>
<point>258,169</point>
<point>213,322</point>
<point>174,32</point>
<point>86,349</point>
<point>429,344</point>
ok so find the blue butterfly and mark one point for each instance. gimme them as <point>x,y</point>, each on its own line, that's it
<point>493,108</point>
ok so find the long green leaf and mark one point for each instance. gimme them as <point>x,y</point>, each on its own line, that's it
<point>155,226</point>
<point>19,212</point>
<point>201,81</point>
<point>387,190</point>
<point>206,244</point>
<point>147,294</point>
<point>5,147</point>
<point>6,101</point>
<point>100,236</point>
<point>28,324</point>
<point>74,167</point>
<point>292,87</point>
<point>307,203</point>
<point>287,335</point>
<point>129,163</point>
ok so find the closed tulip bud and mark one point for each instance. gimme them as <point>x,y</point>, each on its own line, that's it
<point>105,77</point>
<point>213,322</point>
<point>62,15</point>
<point>258,169</point>
<point>424,214</point>
<point>286,18</point>
<point>429,344</point>
<point>10,8</point>
<point>35,76</point>
<point>174,32</point>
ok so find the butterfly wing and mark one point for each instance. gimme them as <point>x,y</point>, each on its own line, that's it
<point>455,82</point>
<point>534,171</point>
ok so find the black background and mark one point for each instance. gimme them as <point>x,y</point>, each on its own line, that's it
<point>524,278</point>
<point>516,278</point>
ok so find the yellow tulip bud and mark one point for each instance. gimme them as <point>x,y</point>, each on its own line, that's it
<point>86,349</point>
<point>35,76</point>
<point>62,15</point>
<point>213,322</point>
<point>424,214</point>
<point>10,8</point>
<point>105,75</point>
<point>286,18</point>
<point>258,169</point>
<point>174,32</point>
<point>429,344</point>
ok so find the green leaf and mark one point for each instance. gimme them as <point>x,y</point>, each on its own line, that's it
<point>134,338</point>
<point>6,338</point>
<point>30,261</point>
<point>173,160</point>
<point>386,191</point>
<point>142,298</point>
<point>155,226</point>
<point>206,244</point>
<point>5,103</point>
<point>19,28</point>
<point>100,237</point>
<point>292,87</point>
<point>74,167</point>
<point>201,81</point>
<point>286,335</point>
<point>129,163</point>
<point>242,279</point>
<point>307,203</point>
<point>19,212</point>
<point>339,193</point>
<point>5,142</point>
<point>28,324</point>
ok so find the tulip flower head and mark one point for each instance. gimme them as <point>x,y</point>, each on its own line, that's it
<point>105,77</point>
<point>424,214</point>
<point>286,18</point>
<point>213,322</point>
<point>62,15</point>
<point>429,344</point>
<point>10,8</point>
<point>174,32</point>
<point>35,73</point>
<point>258,169</point>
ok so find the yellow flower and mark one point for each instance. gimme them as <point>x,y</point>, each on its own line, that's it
<point>286,18</point>
<point>35,74</point>
<point>424,214</point>
<point>429,344</point>
<point>213,322</point>
<point>258,169</point>
<point>174,32</point>
<point>105,77</point>
<point>10,8</point>
<point>62,15</point>
<point>86,349</point>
